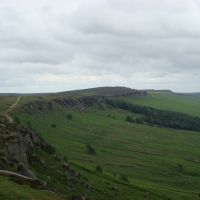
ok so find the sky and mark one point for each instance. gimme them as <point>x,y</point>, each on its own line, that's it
<point>49,46</point>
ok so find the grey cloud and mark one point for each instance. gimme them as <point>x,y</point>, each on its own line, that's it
<point>72,44</point>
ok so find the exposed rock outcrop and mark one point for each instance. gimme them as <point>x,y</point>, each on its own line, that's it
<point>78,102</point>
<point>15,144</point>
<point>21,149</point>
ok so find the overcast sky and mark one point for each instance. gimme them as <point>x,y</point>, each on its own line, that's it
<point>48,45</point>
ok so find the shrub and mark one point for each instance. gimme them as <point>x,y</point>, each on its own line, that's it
<point>179,168</point>
<point>29,124</point>
<point>53,125</point>
<point>140,120</point>
<point>90,149</point>
<point>99,169</point>
<point>124,178</point>
<point>130,119</point>
<point>48,149</point>
<point>17,120</point>
<point>69,116</point>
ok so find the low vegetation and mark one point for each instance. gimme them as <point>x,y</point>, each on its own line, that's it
<point>69,116</point>
<point>90,150</point>
<point>121,150</point>
<point>158,117</point>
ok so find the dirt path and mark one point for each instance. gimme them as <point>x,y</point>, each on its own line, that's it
<point>33,182</point>
<point>13,174</point>
<point>6,113</point>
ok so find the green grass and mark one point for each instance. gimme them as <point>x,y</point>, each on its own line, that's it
<point>149,156</point>
<point>6,102</point>
<point>159,163</point>
<point>10,190</point>
<point>189,104</point>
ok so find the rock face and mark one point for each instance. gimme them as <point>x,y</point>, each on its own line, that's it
<point>19,150</point>
<point>77,102</point>
<point>15,144</point>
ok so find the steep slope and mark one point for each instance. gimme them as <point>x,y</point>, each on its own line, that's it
<point>10,190</point>
<point>122,160</point>
<point>30,161</point>
<point>15,145</point>
<point>185,103</point>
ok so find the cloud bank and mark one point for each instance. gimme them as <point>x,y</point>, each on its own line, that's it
<point>69,44</point>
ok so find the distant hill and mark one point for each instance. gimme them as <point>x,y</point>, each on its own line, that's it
<point>103,91</point>
<point>99,91</point>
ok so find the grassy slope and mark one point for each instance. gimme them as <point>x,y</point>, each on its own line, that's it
<point>189,104</point>
<point>149,156</point>
<point>6,101</point>
<point>13,191</point>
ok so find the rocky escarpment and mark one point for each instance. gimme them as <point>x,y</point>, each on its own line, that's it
<point>131,94</point>
<point>77,102</point>
<point>80,103</point>
<point>21,150</point>
<point>15,144</point>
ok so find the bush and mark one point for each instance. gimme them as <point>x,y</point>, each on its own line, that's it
<point>130,119</point>
<point>90,149</point>
<point>140,120</point>
<point>29,125</point>
<point>99,169</point>
<point>53,125</point>
<point>179,168</point>
<point>48,149</point>
<point>69,116</point>
<point>17,120</point>
<point>124,178</point>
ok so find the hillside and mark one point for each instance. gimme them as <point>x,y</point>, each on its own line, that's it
<point>103,91</point>
<point>186,103</point>
<point>9,190</point>
<point>5,102</point>
<point>27,160</point>
<point>118,155</point>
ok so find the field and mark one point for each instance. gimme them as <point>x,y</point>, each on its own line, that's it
<point>128,160</point>
<point>185,103</point>
<point>164,162</point>
<point>10,190</point>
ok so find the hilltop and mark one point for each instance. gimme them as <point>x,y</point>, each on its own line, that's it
<point>104,91</point>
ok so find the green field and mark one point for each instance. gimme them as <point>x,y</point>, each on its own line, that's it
<point>10,190</point>
<point>163,161</point>
<point>186,103</point>
<point>141,161</point>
